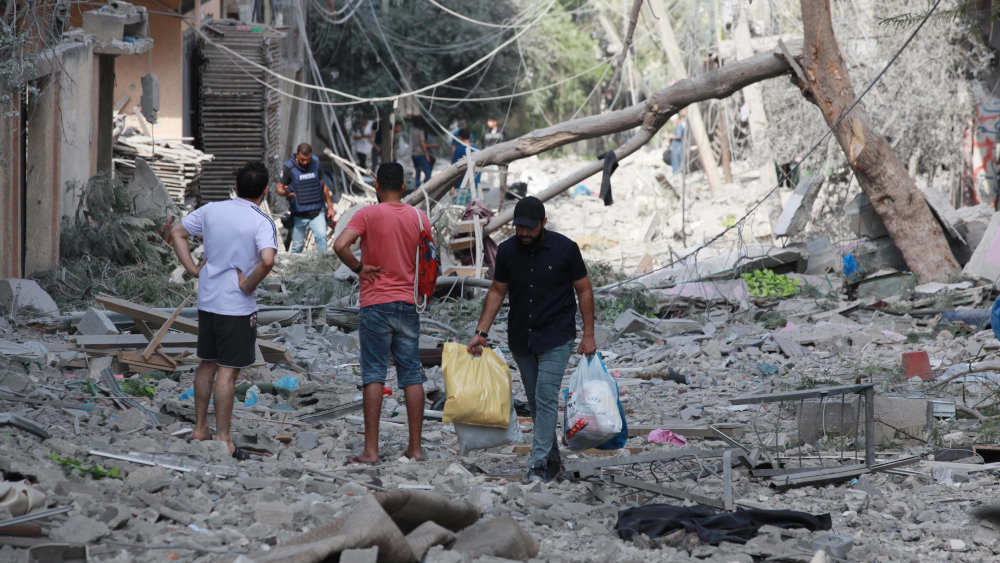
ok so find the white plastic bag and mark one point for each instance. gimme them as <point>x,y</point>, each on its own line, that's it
<point>482,437</point>
<point>592,416</point>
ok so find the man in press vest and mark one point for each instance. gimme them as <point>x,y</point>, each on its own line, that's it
<point>308,198</point>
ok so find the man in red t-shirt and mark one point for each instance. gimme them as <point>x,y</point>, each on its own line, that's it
<point>390,235</point>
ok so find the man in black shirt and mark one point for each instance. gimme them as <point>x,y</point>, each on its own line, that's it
<point>541,268</point>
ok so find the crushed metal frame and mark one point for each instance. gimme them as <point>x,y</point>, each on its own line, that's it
<point>792,477</point>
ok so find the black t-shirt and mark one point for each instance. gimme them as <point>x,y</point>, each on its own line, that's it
<point>540,285</point>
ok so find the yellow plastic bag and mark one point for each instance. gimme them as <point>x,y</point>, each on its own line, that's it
<point>478,387</point>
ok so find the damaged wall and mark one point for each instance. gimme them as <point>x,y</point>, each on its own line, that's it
<point>43,155</point>
<point>166,61</point>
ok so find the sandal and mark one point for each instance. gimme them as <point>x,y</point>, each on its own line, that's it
<point>240,454</point>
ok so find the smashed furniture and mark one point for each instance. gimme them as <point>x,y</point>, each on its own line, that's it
<point>805,475</point>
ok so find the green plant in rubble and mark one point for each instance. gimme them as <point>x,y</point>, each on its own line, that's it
<point>138,388</point>
<point>95,471</point>
<point>765,283</point>
<point>729,220</point>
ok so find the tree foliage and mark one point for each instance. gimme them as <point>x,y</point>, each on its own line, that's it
<point>430,44</point>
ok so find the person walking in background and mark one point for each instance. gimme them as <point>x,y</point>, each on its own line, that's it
<point>460,195</point>
<point>678,140</point>
<point>492,134</point>
<point>390,325</point>
<point>239,238</point>
<point>308,198</point>
<point>422,152</point>
<point>364,142</point>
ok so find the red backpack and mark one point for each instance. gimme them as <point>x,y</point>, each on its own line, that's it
<point>428,266</point>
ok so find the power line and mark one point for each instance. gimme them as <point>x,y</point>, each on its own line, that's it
<point>460,16</point>
<point>358,99</point>
<point>817,144</point>
<point>331,17</point>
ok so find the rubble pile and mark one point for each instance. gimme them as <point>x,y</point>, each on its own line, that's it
<point>302,421</point>
<point>815,414</point>
<point>177,164</point>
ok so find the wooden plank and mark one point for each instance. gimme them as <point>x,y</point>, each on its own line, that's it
<point>101,341</point>
<point>273,352</point>
<point>154,342</point>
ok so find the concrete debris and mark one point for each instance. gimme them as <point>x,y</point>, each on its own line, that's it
<point>96,321</point>
<point>983,264</point>
<point>498,537</point>
<point>148,193</point>
<point>20,297</point>
<point>679,353</point>
<point>798,208</point>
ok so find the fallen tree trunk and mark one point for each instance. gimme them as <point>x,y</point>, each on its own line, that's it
<point>651,114</point>
<point>882,175</point>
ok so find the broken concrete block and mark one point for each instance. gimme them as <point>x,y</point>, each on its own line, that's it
<point>19,296</point>
<point>147,192</point>
<point>274,513</point>
<point>985,261</point>
<point>367,555</point>
<point>823,257</point>
<point>80,529</point>
<point>630,321</point>
<point>878,254</point>
<point>499,537</point>
<point>306,440</point>
<point>96,321</point>
<point>798,208</point>
<point>426,536</point>
<point>862,218</point>
<point>972,222</point>
<point>411,508</point>
<point>149,479</point>
<point>817,418</point>
<point>883,286</point>
<point>129,420</point>
<point>899,418</point>
<point>366,525</point>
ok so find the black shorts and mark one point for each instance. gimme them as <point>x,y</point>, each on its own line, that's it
<point>230,341</point>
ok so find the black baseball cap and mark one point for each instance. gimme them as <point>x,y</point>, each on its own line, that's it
<point>529,212</point>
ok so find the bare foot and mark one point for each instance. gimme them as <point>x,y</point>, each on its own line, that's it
<point>368,460</point>
<point>415,455</point>
<point>201,435</point>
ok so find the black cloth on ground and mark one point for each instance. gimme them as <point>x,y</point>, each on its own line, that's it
<point>712,526</point>
<point>610,165</point>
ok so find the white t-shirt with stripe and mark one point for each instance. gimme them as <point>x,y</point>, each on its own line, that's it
<point>234,232</point>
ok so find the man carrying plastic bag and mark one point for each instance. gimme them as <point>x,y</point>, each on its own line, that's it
<point>541,269</point>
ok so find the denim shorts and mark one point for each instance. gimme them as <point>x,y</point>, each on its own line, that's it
<point>391,328</point>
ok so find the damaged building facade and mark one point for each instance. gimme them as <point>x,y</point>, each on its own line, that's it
<point>129,68</point>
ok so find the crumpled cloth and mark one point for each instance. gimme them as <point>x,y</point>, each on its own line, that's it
<point>664,436</point>
<point>610,165</point>
<point>711,525</point>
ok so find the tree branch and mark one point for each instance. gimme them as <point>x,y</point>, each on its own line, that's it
<point>651,113</point>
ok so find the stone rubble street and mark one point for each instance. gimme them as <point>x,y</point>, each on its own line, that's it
<point>138,491</point>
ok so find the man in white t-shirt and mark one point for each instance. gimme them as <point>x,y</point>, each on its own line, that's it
<point>364,142</point>
<point>238,238</point>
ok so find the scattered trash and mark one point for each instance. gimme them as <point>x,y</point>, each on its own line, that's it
<point>663,436</point>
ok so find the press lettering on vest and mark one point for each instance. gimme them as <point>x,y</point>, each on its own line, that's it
<point>307,187</point>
